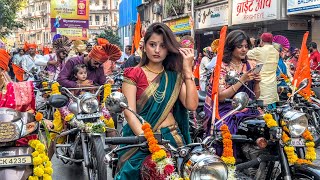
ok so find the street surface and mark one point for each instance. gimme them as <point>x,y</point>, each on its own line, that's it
<point>69,172</point>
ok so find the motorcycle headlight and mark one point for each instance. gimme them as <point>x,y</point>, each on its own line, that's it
<point>11,131</point>
<point>89,103</point>
<point>297,122</point>
<point>206,166</point>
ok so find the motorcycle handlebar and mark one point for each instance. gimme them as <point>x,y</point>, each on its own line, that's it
<point>133,139</point>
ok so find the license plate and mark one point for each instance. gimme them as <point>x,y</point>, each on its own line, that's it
<point>15,161</point>
<point>88,116</point>
<point>297,142</point>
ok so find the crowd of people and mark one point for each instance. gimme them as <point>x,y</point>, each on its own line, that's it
<point>159,78</point>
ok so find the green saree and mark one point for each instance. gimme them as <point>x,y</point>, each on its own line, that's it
<point>155,112</point>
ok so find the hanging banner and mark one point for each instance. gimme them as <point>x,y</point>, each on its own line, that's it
<point>179,26</point>
<point>73,14</point>
<point>302,6</point>
<point>248,11</point>
<point>212,17</point>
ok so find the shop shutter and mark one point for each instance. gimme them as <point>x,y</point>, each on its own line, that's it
<point>295,37</point>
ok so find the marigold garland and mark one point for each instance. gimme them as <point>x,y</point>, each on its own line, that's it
<point>270,121</point>
<point>290,150</point>
<point>108,121</point>
<point>55,88</point>
<point>58,126</point>
<point>227,154</point>
<point>164,164</point>
<point>106,91</point>
<point>42,165</point>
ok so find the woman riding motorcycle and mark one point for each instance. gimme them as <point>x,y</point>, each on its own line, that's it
<point>158,92</point>
<point>235,59</point>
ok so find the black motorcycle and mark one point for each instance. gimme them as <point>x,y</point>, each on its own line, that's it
<point>261,152</point>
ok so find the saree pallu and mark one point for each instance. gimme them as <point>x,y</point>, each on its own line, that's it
<point>19,96</point>
<point>155,113</point>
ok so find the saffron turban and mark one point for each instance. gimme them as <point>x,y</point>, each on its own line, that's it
<point>102,41</point>
<point>27,46</point>
<point>4,59</point>
<point>267,37</point>
<point>105,52</point>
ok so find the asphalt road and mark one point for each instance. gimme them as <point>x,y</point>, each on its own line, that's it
<point>69,172</point>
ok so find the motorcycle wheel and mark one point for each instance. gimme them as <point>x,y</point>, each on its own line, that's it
<point>96,152</point>
<point>298,176</point>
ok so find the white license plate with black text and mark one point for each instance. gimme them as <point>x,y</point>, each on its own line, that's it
<point>15,161</point>
<point>298,142</point>
<point>88,116</point>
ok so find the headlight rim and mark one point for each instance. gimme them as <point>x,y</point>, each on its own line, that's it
<point>294,115</point>
<point>85,97</point>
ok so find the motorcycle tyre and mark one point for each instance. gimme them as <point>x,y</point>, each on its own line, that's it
<point>301,174</point>
<point>98,150</point>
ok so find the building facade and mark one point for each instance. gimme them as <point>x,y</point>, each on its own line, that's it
<point>290,18</point>
<point>36,17</point>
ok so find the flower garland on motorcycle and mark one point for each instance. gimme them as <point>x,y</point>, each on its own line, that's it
<point>94,128</point>
<point>290,150</point>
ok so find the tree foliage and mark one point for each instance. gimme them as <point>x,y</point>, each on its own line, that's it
<point>8,14</point>
<point>111,36</point>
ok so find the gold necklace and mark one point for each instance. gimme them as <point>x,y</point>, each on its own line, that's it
<point>159,96</point>
<point>154,71</point>
<point>237,66</point>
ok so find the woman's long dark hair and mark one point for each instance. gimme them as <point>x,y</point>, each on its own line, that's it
<point>233,40</point>
<point>173,61</point>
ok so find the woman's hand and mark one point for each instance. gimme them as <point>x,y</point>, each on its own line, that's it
<point>188,58</point>
<point>248,76</point>
<point>48,123</point>
<point>257,78</point>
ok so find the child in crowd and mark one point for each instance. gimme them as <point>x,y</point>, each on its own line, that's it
<point>80,73</point>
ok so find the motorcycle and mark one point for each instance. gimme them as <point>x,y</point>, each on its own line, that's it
<point>261,149</point>
<point>83,142</point>
<point>195,160</point>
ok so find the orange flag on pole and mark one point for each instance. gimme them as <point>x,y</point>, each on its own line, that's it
<point>18,72</point>
<point>303,68</point>
<point>216,75</point>
<point>137,34</point>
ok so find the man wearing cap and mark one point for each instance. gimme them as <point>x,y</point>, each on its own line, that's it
<point>93,61</point>
<point>27,62</point>
<point>269,56</point>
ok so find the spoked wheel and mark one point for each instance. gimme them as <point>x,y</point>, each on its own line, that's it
<point>97,169</point>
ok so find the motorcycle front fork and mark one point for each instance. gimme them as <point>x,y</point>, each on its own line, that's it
<point>285,169</point>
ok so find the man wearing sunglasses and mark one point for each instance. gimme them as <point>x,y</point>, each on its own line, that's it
<point>93,61</point>
<point>54,62</point>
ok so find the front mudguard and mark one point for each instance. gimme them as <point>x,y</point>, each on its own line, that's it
<point>307,169</point>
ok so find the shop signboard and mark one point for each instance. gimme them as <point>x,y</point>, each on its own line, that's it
<point>302,6</point>
<point>212,17</point>
<point>70,16</point>
<point>180,26</point>
<point>248,11</point>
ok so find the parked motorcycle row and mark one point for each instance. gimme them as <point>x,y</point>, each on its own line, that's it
<point>260,148</point>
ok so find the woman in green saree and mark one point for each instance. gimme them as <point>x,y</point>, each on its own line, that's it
<point>160,89</point>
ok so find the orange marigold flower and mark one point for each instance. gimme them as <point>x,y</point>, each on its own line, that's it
<point>146,126</point>
<point>39,116</point>
<point>224,127</point>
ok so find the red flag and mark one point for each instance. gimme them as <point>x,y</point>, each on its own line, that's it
<point>303,68</point>
<point>216,74</point>
<point>137,33</point>
<point>18,72</point>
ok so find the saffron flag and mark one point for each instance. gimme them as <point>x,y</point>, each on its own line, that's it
<point>137,34</point>
<point>216,74</point>
<point>303,68</point>
<point>18,72</point>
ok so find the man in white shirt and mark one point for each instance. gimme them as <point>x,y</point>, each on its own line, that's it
<point>27,62</point>
<point>269,56</point>
<point>208,55</point>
